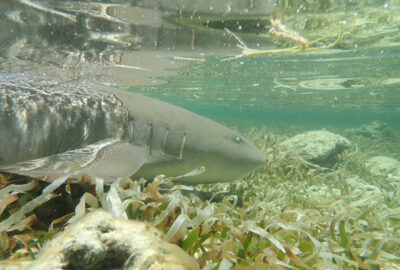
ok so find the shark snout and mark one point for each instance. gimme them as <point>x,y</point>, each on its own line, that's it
<point>259,159</point>
<point>256,159</point>
<point>247,159</point>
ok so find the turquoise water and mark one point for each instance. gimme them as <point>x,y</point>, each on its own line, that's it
<point>336,87</point>
<point>341,86</point>
<point>140,46</point>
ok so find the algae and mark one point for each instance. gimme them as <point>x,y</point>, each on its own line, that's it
<point>288,215</point>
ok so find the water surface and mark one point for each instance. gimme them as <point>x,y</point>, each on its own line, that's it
<point>332,87</point>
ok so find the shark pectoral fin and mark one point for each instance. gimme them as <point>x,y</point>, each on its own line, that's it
<point>117,160</point>
<point>109,159</point>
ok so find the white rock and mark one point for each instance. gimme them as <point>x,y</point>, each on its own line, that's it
<point>358,186</point>
<point>384,166</point>
<point>318,147</point>
<point>99,241</point>
<point>375,129</point>
<point>323,191</point>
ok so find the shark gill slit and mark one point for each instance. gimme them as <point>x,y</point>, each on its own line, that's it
<point>165,141</point>
<point>150,138</point>
<point>182,146</point>
<point>131,130</point>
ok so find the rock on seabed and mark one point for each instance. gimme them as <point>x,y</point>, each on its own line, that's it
<point>318,147</point>
<point>384,166</point>
<point>99,241</point>
<point>374,130</point>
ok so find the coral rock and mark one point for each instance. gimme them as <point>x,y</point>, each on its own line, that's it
<point>384,166</point>
<point>375,129</point>
<point>99,241</point>
<point>318,147</point>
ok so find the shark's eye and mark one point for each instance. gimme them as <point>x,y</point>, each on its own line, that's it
<point>238,139</point>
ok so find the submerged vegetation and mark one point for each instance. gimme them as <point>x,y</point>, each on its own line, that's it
<point>289,215</point>
<point>303,26</point>
<point>281,31</point>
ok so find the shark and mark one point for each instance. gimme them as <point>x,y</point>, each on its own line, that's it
<point>47,126</point>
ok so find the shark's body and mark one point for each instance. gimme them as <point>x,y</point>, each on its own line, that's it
<point>45,126</point>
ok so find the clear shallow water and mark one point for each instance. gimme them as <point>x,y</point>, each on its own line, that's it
<point>101,43</point>
<point>338,87</point>
<point>86,41</point>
